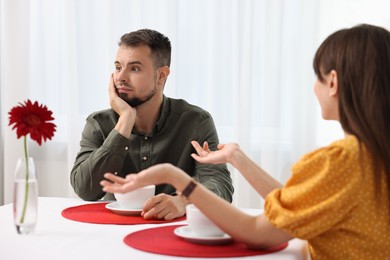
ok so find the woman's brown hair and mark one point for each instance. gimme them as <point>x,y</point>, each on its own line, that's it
<point>361,57</point>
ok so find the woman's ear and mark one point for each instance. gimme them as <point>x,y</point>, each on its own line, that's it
<point>333,84</point>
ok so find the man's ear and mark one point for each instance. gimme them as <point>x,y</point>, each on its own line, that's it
<point>163,73</point>
<point>333,83</point>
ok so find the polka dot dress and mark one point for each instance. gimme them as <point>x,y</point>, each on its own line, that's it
<point>333,201</point>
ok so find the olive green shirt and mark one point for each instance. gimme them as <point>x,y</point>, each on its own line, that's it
<point>103,149</point>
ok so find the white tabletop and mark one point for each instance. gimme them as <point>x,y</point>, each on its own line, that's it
<point>58,238</point>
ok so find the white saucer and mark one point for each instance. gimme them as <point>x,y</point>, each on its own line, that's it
<point>186,233</point>
<point>114,207</point>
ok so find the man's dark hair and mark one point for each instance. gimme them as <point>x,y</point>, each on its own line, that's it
<point>158,43</point>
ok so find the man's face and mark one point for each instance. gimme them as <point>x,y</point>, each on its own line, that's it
<point>135,77</point>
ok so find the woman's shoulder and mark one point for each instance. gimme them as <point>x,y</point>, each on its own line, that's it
<point>350,142</point>
<point>338,163</point>
<point>340,151</point>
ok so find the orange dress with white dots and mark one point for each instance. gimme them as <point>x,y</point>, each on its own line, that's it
<point>333,201</point>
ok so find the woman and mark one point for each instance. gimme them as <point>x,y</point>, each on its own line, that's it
<point>338,196</point>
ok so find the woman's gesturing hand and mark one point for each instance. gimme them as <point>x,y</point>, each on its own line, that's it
<point>222,155</point>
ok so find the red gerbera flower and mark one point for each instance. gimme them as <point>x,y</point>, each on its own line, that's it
<point>32,118</point>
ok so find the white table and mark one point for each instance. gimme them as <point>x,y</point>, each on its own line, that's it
<point>58,238</point>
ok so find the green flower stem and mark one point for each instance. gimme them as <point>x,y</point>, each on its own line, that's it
<point>26,194</point>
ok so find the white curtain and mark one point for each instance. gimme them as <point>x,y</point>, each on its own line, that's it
<point>248,62</point>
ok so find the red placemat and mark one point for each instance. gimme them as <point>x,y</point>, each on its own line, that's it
<point>162,240</point>
<point>98,214</point>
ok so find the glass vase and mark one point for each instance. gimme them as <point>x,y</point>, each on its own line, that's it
<point>25,202</point>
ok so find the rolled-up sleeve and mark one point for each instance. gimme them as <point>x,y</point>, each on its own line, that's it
<point>98,154</point>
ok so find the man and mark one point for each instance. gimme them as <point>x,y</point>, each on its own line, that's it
<point>144,128</point>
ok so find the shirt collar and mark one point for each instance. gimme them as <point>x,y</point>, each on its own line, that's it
<point>163,116</point>
<point>161,120</point>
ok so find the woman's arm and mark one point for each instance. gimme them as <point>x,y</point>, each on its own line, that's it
<point>231,153</point>
<point>254,231</point>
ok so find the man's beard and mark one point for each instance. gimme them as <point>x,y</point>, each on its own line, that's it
<point>137,101</point>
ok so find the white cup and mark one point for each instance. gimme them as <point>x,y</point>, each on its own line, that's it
<point>135,199</point>
<point>200,224</point>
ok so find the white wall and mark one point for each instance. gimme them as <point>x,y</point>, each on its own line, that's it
<point>285,74</point>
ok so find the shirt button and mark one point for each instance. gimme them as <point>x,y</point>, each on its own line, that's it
<point>126,148</point>
<point>146,138</point>
<point>144,158</point>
